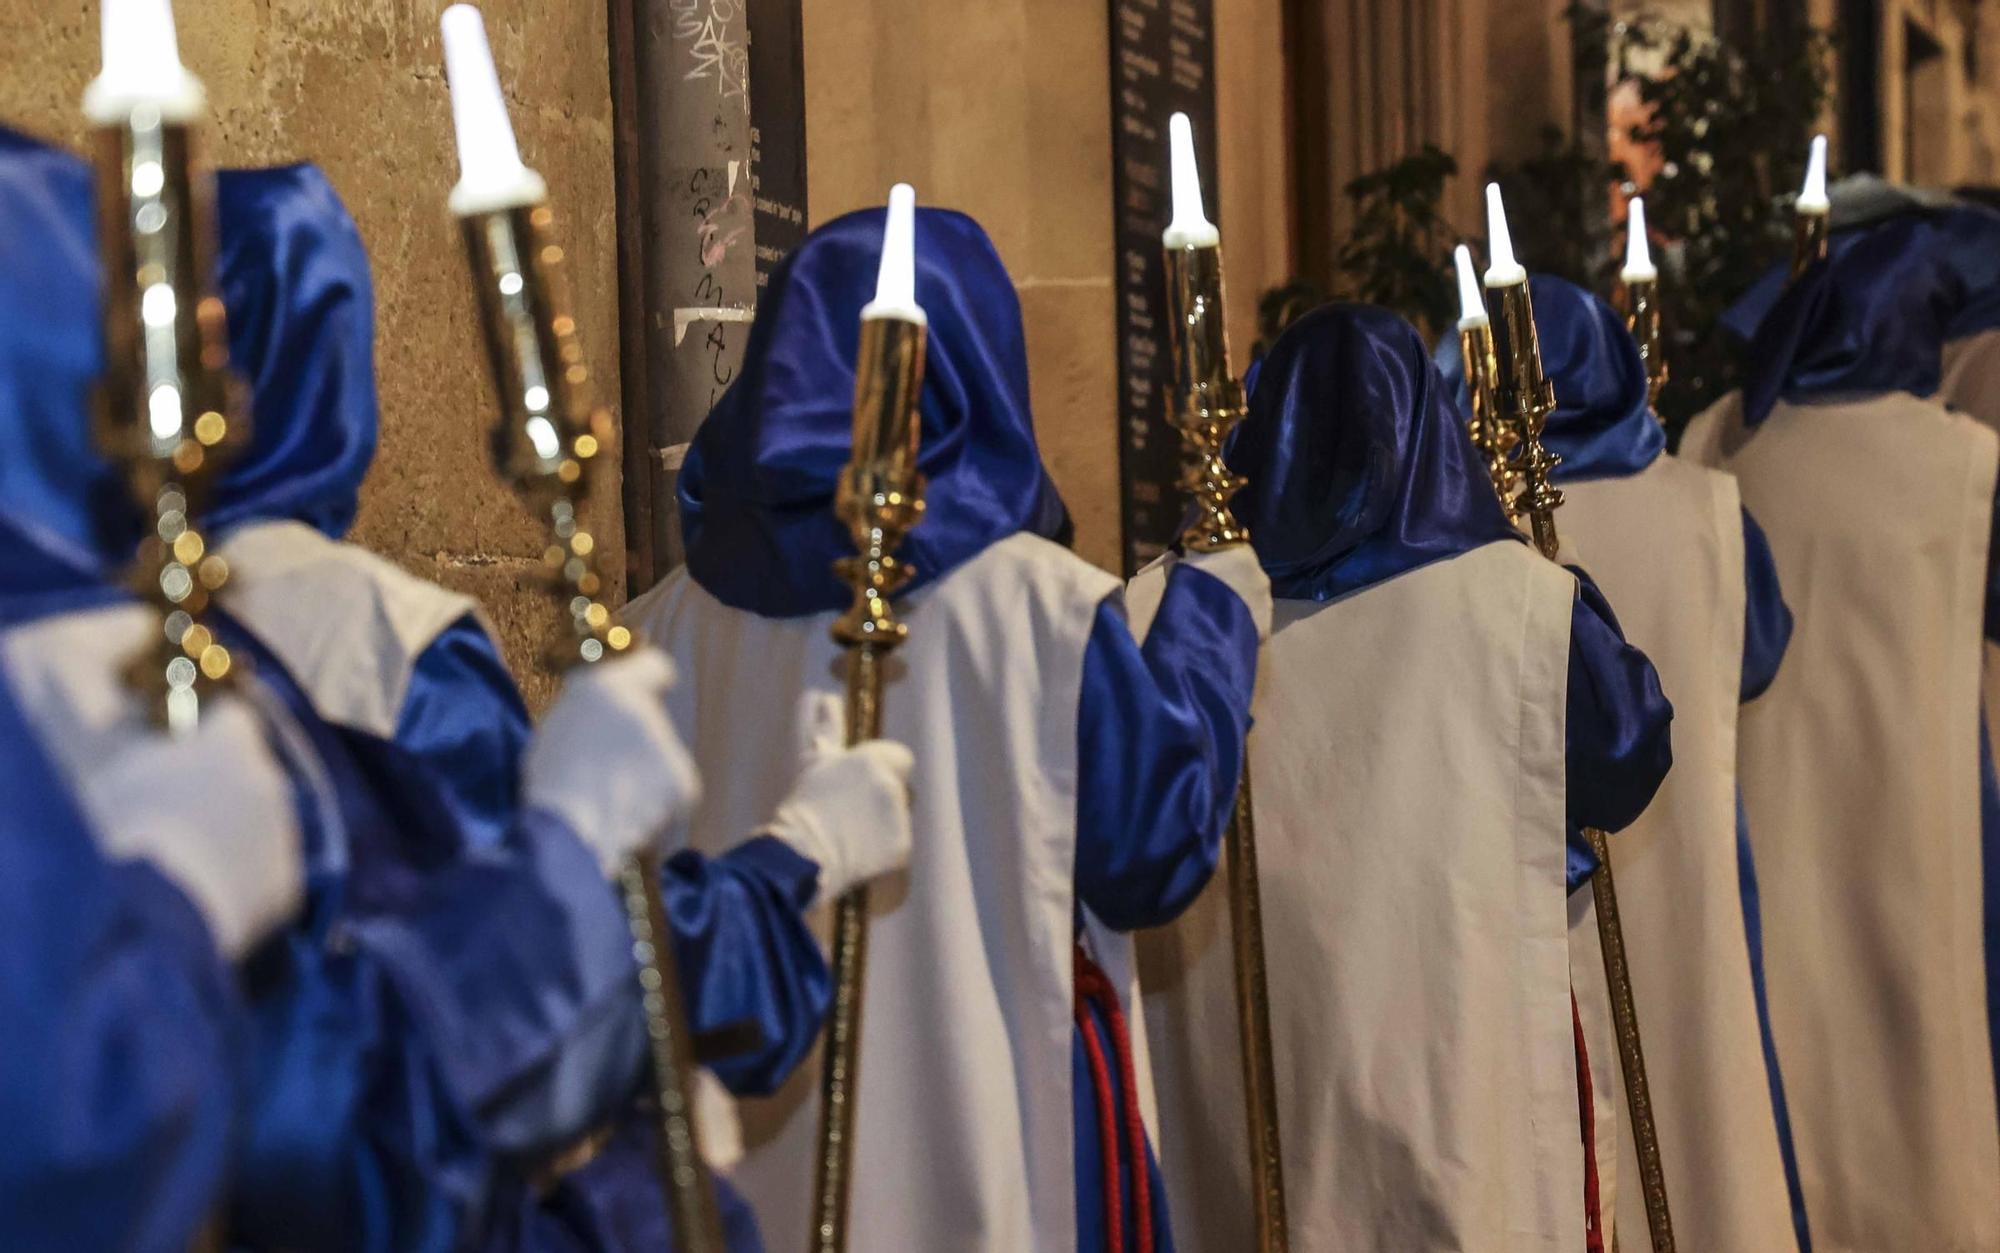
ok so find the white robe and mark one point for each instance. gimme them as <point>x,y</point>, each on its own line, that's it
<point>1860,776</point>
<point>1666,547</point>
<point>964,1126</point>
<point>1408,763</point>
<point>1972,385</point>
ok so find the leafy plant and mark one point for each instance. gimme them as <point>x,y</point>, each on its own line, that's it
<point>1399,253</point>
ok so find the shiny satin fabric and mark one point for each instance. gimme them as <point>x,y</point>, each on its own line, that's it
<point>1870,319</point>
<point>756,488</point>
<point>1603,426</point>
<point>1358,464</point>
<point>124,1037</point>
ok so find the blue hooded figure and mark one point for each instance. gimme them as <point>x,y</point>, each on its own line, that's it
<point>1417,765</point>
<point>458,999</point>
<point>1838,406</point>
<point>1657,531</point>
<point>1072,783</point>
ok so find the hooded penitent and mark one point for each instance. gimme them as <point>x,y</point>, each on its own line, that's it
<point>1068,782</point>
<point>1420,976</point>
<point>1691,577</point>
<point>1878,504</point>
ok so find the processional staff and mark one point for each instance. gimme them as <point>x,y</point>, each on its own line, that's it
<point>168,415</point>
<point>1207,402</point>
<point>880,497</point>
<point>1496,440</point>
<point>549,434</point>
<point>1641,279</point>
<point>1524,397</point>
<point>1812,212</point>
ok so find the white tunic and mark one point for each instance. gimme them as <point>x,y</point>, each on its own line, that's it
<point>1860,776</point>
<point>1972,385</point>
<point>1666,546</point>
<point>964,1127</point>
<point>1408,763</point>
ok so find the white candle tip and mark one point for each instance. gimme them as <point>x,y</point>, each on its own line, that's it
<point>1190,227</point>
<point>1812,197</point>
<point>491,175</point>
<point>142,66</point>
<point>896,280</point>
<point>1505,271</point>
<point>1639,267</point>
<point>1471,305</point>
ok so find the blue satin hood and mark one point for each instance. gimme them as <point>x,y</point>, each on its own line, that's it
<point>1603,426</point>
<point>756,488</point>
<point>1870,319</point>
<point>1358,463</point>
<point>294,277</point>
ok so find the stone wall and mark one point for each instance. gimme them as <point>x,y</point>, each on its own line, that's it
<point>357,87</point>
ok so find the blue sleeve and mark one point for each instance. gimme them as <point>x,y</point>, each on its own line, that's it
<point>464,720</point>
<point>1618,735</point>
<point>403,1052</point>
<point>1767,620</point>
<point>1160,735</point>
<point>123,1041</point>
<point>747,957</point>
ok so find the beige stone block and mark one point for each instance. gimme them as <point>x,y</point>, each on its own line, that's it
<point>1073,381</point>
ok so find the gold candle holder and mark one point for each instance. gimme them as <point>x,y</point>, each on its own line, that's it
<point>549,435</point>
<point>165,415</point>
<point>1642,319</point>
<point>1526,399</point>
<point>1207,403</point>
<point>1810,230</point>
<point>1496,440</point>
<point>880,497</point>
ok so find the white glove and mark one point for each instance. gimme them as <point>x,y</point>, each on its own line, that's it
<point>606,761</point>
<point>850,809</point>
<point>210,808</point>
<point>1239,568</point>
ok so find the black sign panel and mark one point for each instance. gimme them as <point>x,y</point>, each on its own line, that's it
<point>1162,62</point>
<point>777,130</point>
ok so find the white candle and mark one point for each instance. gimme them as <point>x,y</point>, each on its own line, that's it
<point>491,175</point>
<point>1639,267</point>
<point>1812,197</point>
<point>1190,227</point>
<point>1505,271</point>
<point>1471,305</point>
<point>142,66</point>
<point>896,279</point>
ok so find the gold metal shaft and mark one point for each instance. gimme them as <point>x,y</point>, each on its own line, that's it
<point>879,499</point>
<point>166,416</point>
<point>549,434</point>
<point>1642,318</point>
<point>1207,404</point>
<point>1809,240</point>
<point>1496,440</point>
<point>1526,399</point>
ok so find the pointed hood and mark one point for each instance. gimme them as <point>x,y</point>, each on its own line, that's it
<point>295,280</point>
<point>1358,462</point>
<point>1603,426</point>
<point>757,486</point>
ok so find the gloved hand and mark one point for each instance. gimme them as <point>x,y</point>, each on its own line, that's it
<point>1239,568</point>
<point>605,758</point>
<point>850,809</point>
<point>210,808</point>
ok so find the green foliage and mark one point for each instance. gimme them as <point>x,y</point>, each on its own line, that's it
<point>1732,126</point>
<point>1399,252</point>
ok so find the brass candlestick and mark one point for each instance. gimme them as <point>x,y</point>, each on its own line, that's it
<point>879,499</point>
<point>1496,440</point>
<point>1642,319</point>
<point>1207,403</point>
<point>1526,398</point>
<point>166,416</point>
<point>1810,229</point>
<point>549,434</point>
